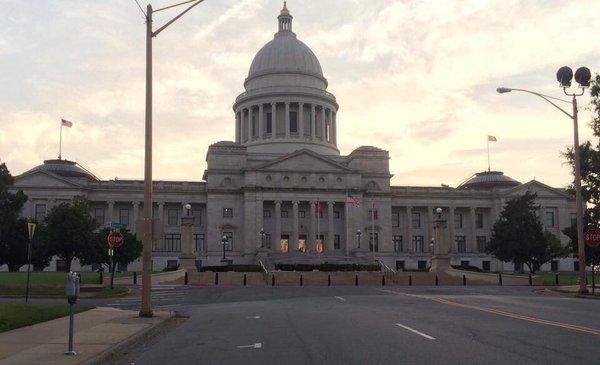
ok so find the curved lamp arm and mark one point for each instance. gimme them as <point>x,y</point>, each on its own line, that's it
<point>503,90</point>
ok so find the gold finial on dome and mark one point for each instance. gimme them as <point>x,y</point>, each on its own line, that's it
<point>285,9</point>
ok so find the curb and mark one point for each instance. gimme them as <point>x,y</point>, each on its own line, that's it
<point>575,294</point>
<point>104,357</point>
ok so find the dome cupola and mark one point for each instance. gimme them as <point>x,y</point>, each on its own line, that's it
<point>286,106</point>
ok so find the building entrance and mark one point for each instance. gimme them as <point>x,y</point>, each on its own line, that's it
<point>302,243</point>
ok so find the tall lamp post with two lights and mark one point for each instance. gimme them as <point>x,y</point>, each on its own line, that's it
<point>564,77</point>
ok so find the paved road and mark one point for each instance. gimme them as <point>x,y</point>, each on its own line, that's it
<point>371,325</point>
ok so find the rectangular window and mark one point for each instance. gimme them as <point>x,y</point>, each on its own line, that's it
<point>395,219</point>
<point>374,237</point>
<point>486,265</point>
<point>171,243</point>
<point>336,242</point>
<point>124,216</point>
<point>40,212</point>
<point>337,214</point>
<point>301,214</point>
<point>293,122</point>
<point>284,243</point>
<point>373,214</point>
<point>461,244</point>
<point>284,214</point>
<point>479,220</point>
<point>172,217</point>
<point>416,220</point>
<point>197,214</point>
<point>465,263</point>
<point>227,212</point>
<point>458,220</point>
<point>269,123</point>
<point>199,242</point>
<point>422,265</point>
<point>418,243</point>
<point>99,216</point>
<point>550,219</point>
<point>400,264</point>
<point>229,244</point>
<point>268,240</point>
<point>481,243</point>
<point>554,265</point>
<point>266,214</point>
<point>397,241</point>
<point>573,217</point>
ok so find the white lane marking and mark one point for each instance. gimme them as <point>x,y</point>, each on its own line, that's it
<point>253,317</point>
<point>255,346</point>
<point>342,299</point>
<point>415,331</point>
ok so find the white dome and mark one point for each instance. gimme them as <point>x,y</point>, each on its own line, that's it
<point>285,54</point>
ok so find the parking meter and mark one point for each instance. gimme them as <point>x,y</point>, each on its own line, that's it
<point>72,288</point>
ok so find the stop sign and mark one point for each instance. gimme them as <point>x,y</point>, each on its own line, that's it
<point>115,239</point>
<point>592,237</point>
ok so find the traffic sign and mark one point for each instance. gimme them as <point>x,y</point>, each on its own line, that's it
<point>115,239</point>
<point>116,226</point>
<point>592,237</point>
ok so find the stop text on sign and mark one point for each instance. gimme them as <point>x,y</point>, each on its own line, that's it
<point>592,237</point>
<point>115,239</point>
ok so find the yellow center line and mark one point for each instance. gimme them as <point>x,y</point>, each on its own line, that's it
<point>499,312</point>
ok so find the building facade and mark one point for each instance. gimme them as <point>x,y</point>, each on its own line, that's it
<point>282,192</point>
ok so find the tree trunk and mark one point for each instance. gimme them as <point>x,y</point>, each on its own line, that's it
<point>68,261</point>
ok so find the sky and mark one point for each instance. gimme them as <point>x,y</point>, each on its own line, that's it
<point>416,78</point>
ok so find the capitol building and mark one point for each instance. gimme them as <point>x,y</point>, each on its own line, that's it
<point>281,192</point>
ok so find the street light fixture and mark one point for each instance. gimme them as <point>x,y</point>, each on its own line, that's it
<point>262,238</point>
<point>188,209</point>
<point>358,234</point>
<point>224,241</point>
<point>146,308</point>
<point>564,77</point>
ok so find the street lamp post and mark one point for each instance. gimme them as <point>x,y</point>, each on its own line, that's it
<point>262,238</point>
<point>224,242</point>
<point>358,234</point>
<point>564,76</point>
<point>30,232</point>
<point>146,309</point>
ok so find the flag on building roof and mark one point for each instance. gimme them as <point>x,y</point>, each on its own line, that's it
<point>66,123</point>
<point>352,200</point>
<point>492,139</point>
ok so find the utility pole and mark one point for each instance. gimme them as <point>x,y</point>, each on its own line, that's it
<point>149,222</point>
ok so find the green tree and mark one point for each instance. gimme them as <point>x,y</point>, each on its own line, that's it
<point>13,230</point>
<point>124,255</point>
<point>69,231</point>
<point>590,177</point>
<point>519,236</point>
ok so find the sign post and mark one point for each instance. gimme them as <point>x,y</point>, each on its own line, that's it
<point>30,232</point>
<point>114,240</point>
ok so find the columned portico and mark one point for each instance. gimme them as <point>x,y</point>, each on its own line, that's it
<point>330,232</point>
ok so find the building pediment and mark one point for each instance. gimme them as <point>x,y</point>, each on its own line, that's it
<point>541,189</point>
<point>44,179</point>
<point>304,160</point>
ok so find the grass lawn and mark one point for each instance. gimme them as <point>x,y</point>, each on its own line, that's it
<point>566,278</point>
<point>19,314</point>
<point>107,292</point>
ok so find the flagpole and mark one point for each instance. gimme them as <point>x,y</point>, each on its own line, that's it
<point>373,227</point>
<point>488,145</point>
<point>60,141</point>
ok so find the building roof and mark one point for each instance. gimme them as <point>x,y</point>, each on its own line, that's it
<point>488,180</point>
<point>64,168</point>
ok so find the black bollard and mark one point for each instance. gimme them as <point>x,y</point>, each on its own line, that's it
<point>530,280</point>
<point>436,280</point>
<point>245,280</point>
<point>464,280</point>
<point>273,280</point>
<point>328,280</point>
<point>135,278</point>
<point>185,278</point>
<point>301,280</point>
<point>556,279</point>
<point>101,278</point>
<point>216,278</point>
<point>409,280</point>
<point>382,280</point>
<point>500,279</point>
<point>356,280</point>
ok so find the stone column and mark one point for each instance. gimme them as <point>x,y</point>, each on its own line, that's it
<point>295,237</point>
<point>273,120</point>
<point>429,230</point>
<point>334,127</point>
<point>440,261</point>
<point>301,120</point>
<point>471,240</point>
<point>313,122</point>
<point>409,245</point>
<point>110,213</point>
<point>287,120</point>
<point>261,123</point>
<point>330,232</point>
<point>313,225</point>
<point>250,123</point>
<point>237,127</point>
<point>187,259</point>
<point>259,221</point>
<point>277,239</point>
<point>323,123</point>
<point>451,228</point>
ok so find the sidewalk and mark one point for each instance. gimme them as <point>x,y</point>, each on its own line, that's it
<point>96,332</point>
<point>169,277</point>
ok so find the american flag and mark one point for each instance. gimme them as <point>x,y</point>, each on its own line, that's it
<point>352,200</point>
<point>66,123</point>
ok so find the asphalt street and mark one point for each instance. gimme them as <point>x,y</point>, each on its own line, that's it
<point>369,325</point>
